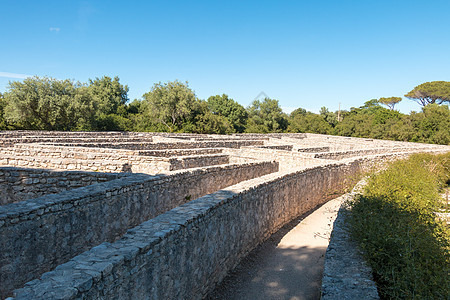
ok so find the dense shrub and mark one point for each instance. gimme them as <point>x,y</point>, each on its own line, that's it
<point>395,225</point>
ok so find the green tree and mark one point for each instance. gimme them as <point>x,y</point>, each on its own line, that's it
<point>45,104</point>
<point>202,120</point>
<point>109,98</point>
<point>230,109</point>
<point>266,116</point>
<point>432,125</point>
<point>370,120</point>
<point>169,104</point>
<point>299,111</point>
<point>3,124</point>
<point>309,122</point>
<point>329,117</point>
<point>108,95</point>
<point>390,101</point>
<point>430,92</point>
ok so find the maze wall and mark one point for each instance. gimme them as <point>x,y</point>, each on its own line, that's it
<point>158,215</point>
<point>41,233</point>
<point>18,184</point>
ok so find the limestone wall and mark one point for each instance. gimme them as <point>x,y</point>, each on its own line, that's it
<point>18,184</point>
<point>183,253</point>
<point>179,152</point>
<point>41,233</point>
<point>9,138</point>
<point>164,146</point>
<point>346,274</point>
<point>287,159</point>
<point>188,162</point>
<point>352,153</point>
<point>278,147</point>
<point>69,164</point>
<point>102,160</point>
<point>313,149</point>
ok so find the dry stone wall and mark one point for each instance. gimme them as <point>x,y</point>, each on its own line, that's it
<point>91,159</point>
<point>183,253</point>
<point>287,159</point>
<point>180,245</point>
<point>39,234</point>
<point>18,184</point>
<point>168,145</point>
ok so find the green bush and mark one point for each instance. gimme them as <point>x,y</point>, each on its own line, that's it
<point>394,223</point>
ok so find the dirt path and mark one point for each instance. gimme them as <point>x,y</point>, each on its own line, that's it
<point>288,265</point>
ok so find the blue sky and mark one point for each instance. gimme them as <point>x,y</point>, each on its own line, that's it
<point>304,53</point>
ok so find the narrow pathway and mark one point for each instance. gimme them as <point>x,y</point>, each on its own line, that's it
<point>289,265</point>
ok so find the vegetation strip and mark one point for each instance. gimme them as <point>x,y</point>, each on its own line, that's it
<point>394,222</point>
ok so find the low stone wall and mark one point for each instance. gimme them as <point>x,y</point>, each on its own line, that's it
<point>41,233</point>
<point>278,147</point>
<point>346,275</point>
<point>98,153</point>
<point>185,252</point>
<point>18,184</point>
<point>352,153</point>
<point>188,162</point>
<point>112,139</point>
<point>287,159</point>
<point>69,164</point>
<point>101,160</point>
<point>164,146</point>
<point>9,138</point>
<point>313,149</point>
<point>296,136</point>
<point>342,143</point>
<point>179,152</point>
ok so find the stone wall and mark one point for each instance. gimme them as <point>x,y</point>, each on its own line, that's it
<point>185,252</point>
<point>9,138</point>
<point>173,145</point>
<point>188,162</point>
<point>41,233</point>
<point>346,275</point>
<point>70,164</point>
<point>313,149</point>
<point>103,160</point>
<point>18,184</point>
<point>337,155</point>
<point>180,152</point>
<point>278,147</point>
<point>287,159</point>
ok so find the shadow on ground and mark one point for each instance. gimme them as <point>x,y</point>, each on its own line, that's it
<point>277,270</point>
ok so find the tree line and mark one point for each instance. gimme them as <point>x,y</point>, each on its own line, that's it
<point>42,103</point>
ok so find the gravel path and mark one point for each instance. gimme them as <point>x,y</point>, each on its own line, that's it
<point>289,265</point>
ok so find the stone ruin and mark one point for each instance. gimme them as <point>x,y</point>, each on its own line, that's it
<point>101,215</point>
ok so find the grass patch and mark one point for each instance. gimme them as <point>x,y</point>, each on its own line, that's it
<point>395,224</point>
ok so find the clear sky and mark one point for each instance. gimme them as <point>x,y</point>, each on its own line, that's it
<point>306,54</point>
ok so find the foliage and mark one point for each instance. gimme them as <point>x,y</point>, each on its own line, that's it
<point>390,101</point>
<point>169,104</point>
<point>309,122</point>
<point>108,95</point>
<point>369,121</point>
<point>102,104</point>
<point>432,125</point>
<point>230,109</point>
<point>266,116</point>
<point>3,124</point>
<point>430,92</point>
<point>329,117</point>
<point>45,104</point>
<point>109,99</point>
<point>395,225</point>
<point>299,111</point>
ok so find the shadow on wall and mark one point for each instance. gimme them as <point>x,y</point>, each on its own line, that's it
<point>291,273</point>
